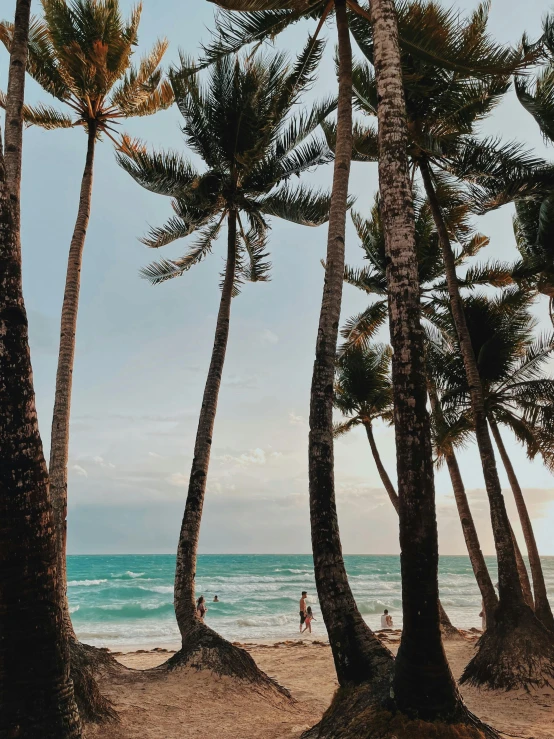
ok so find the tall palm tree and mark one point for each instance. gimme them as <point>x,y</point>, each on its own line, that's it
<point>357,653</point>
<point>363,393</point>
<point>422,686</point>
<point>464,75</point>
<point>238,121</point>
<point>36,693</point>
<point>512,370</point>
<point>80,53</point>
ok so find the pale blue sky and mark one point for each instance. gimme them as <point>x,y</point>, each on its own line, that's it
<point>142,352</point>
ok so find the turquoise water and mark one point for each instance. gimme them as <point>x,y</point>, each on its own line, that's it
<point>128,599</point>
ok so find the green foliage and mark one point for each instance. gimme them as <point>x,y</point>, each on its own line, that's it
<point>81,53</point>
<point>363,387</point>
<point>372,279</point>
<point>238,117</point>
<point>512,364</point>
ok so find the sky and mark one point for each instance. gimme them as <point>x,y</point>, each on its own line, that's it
<point>143,352</point>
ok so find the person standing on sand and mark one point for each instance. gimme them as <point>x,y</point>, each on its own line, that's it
<point>309,618</point>
<point>303,609</point>
<point>201,608</point>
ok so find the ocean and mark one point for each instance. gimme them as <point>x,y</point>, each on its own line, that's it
<point>127,600</point>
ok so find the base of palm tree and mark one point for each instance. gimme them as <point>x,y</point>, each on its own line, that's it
<point>204,649</point>
<point>85,663</point>
<point>358,713</point>
<point>448,631</point>
<point>517,652</point>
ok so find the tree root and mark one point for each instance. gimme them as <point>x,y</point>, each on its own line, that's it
<point>448,631</point>
<point>204,649</point>
<point>93,706</point>
<point>515,653</point>
<point>357,713</point>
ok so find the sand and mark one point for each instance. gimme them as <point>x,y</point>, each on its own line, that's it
<point>188,703</point>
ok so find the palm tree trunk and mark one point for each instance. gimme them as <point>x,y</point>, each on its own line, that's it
<point>480,569</point>
<point>64,377</point>
<point>358,654</point>
<point>447,628</point>
<point>36,693</point>
<point>511,596</point>
<point>383,474</point>
<point>522,572</point>
<point>423,683</point>
<point>185,572</point>
<point>542,606</point>
<point>14,104</point>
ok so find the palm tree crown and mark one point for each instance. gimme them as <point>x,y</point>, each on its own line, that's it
<point>372,278</point>
<point>512,366</point>
<point>363,389</point>
<point>81,54</point>
<point>238,122</point>
<point>454,75</point>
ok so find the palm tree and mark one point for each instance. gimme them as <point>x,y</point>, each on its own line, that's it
<point>363,393</point>
<point>81,54</point>
<point>422,685</point>
<point>357,653</point>
<point>448,90</point>
<point>511,366</point>
<point>35,687</point>
<point>239,122</point>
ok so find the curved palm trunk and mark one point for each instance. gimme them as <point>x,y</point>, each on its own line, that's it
<point>36,693</point>
<point>59,448</point>
<point>423,683</point>
<point>480,569</point>
<point>358,654</point>
<point>447,628</point>
<point>511,596</point>
<point>542,606</point>
<point>522,572</point>
<point>185,571</point>
<point>383,474</point>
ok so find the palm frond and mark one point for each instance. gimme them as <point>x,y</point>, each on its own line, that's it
<point>359,330</point>
<point>162,172</point>
<point>42,115</point>
<point>300,205</point>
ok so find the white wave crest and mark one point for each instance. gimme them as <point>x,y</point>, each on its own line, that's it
<point>84,583</point>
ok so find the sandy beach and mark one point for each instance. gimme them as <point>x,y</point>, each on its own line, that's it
<point>188,703</point>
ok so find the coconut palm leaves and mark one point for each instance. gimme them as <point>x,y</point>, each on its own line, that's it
<point>454,75</point>
<point>251,146</point>
<point>81,54</point>
<point>363,390</point>
<point>372,278</point>
<point>512,364</point>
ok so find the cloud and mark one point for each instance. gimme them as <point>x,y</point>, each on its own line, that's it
<point>248,382</point>
<point>268,337</point>
<point>295,420</point>
<point>101,463</point>
<point>253,456</point>
<point>155,455</point>
<point>178,479</point>
<point>80,471</point>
